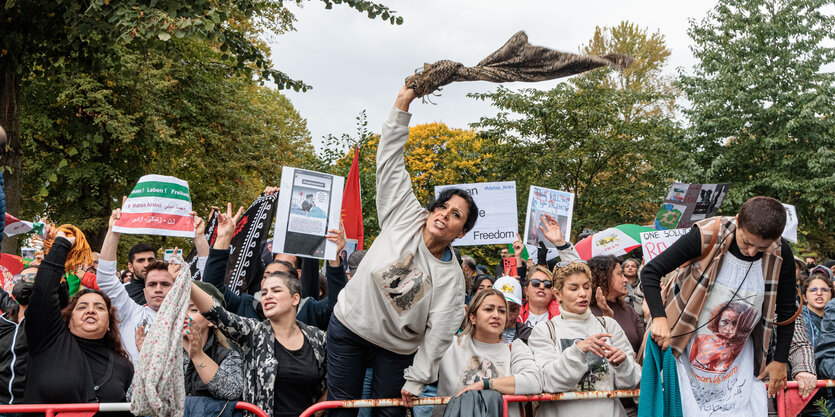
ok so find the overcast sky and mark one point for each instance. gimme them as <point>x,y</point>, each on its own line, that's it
<point>355,64</point>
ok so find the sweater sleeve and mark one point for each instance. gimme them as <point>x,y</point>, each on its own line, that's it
<point>568,253</point>
<point>110,285</point>
<point>43,317</point>
<point>445,317</point>
<point>215,274</point>
<point>396,201</point>
<point>786,303</point>
<point>524,370</point>
<point>686,248</point>
<point>628,373</point>
<point>228,382</point>
<point>560,370</point>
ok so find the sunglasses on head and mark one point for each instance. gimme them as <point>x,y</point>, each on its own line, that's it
<point>30,277</point>
<point>564,264</point>
<point>536,282</point>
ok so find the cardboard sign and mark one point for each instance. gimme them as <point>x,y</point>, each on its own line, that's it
<point>158,205</point>
<point>497,219</point>
<point>686,204</point>
<point>653,243</point>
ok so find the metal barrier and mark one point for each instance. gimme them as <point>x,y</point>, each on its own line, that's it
<point>789,403</point>
<point>90,409</point>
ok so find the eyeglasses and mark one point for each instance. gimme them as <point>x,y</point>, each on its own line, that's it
<point>30,277</point>
<point>818,290</point>
<point>564,264</point>
<point>536,282</point>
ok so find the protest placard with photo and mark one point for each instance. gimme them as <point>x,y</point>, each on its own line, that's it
<point>158,205</point>
<point>309,204</point>
<point>497,216</point>
<point>686,204</point>
<point>557,204</point>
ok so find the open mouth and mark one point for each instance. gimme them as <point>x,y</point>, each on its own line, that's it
<point>439,224</point>
<point>269,305</point>
<point>90,319</point>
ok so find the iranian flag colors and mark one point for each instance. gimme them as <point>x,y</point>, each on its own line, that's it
<point>158,205</point>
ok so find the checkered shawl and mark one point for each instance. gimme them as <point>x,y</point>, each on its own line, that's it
<point>685,296</point>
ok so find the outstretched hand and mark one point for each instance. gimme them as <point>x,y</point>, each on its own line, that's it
<point>116,214</point>
<point>226,222</point>
<point>602,304</point>
<point>552,230</point>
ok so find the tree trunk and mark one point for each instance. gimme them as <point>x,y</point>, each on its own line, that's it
<point>11,156</point>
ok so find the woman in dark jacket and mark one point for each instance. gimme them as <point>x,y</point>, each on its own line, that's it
<point>76,353</point>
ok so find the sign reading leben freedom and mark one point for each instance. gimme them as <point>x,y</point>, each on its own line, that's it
<point>158,205</point>
<point>497,223</point>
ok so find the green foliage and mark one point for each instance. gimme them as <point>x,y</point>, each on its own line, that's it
<point>170,112</point>
<point>762,107</point>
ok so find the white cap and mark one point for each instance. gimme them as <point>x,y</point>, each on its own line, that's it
<point>510,287</point>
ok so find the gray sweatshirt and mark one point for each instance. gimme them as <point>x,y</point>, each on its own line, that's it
<point>402,297</point>
<point>564,367</point>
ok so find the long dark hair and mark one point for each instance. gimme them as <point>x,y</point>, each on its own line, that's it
<point>602,268</point>
<point>112,338</point>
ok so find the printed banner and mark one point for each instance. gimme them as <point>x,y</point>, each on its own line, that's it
<point>790,231</point>
<point>497,216</point>
<point>653,243</point>
<point>686,204</point>
<point>557,204</point>
<point>309,204</point>
<point>245,265</point>
<point>158,205</point>
<point>10,265</point>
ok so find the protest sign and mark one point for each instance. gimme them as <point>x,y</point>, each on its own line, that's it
<point>653,243</point>
<point>10,265</point>
<point>158,205</point>
<point>686,204</point>
<point>309,204</point>
<point>497,219</point>
<point>166,256</point>
<point>790,231</point>
<point>557,204</point>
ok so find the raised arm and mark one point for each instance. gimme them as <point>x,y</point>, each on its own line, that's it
<point>237,328</point>
<point>106,272</point>
<point>215,272</point>
<point>43,317</point>
<point>337,279</point>
<point>201,245</point>
<point>396,201</point>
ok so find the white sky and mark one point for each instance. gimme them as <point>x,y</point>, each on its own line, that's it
<point>355,63</point>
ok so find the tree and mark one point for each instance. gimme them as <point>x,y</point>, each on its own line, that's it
<point>762,106</point>
<point>38,38</point>
<point>575,138</point>
<point>650,54</point>
<point>162,113</point>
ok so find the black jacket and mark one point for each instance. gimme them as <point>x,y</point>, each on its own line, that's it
<point>136,290</point>
<point>14,357</point>
<point>59,371</point>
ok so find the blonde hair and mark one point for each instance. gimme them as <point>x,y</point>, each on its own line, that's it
<point>573,268</point>
<point>539,268</point>
<point>475,304</point>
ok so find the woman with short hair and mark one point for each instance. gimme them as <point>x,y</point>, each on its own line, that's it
<point>576,351</point>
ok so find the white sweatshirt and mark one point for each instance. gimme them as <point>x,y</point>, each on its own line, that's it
<point>129,313</point>
<point>467,361</point>
<point>564,367</point>
<point>402,297</point>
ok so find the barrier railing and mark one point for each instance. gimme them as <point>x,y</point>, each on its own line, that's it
<point>789,402</point>
<point>90,409</point>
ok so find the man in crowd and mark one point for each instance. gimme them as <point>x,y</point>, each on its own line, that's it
<point>469,268</point>
<point>139,257</point>
<point>157,280</point>
<point>505,253</point>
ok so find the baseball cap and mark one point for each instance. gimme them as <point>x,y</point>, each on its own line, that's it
<point>354,261</point>
<point>510,287</point>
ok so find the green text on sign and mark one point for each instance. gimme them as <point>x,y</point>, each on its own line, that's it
<point>160,189</point>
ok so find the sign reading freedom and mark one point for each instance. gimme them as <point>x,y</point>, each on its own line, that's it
<point>158,205</point>
<point>497,222</point>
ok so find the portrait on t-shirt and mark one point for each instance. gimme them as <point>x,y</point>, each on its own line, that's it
<point>716,350</point>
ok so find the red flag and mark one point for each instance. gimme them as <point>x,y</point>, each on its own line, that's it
<point>352,203</point>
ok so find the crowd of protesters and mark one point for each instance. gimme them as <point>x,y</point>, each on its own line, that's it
<point>412,318</point>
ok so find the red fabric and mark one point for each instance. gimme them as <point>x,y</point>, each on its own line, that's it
<point>352,203</point>
<point>89,280</point>
<point>10,265</point>
<point>553,310</point>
